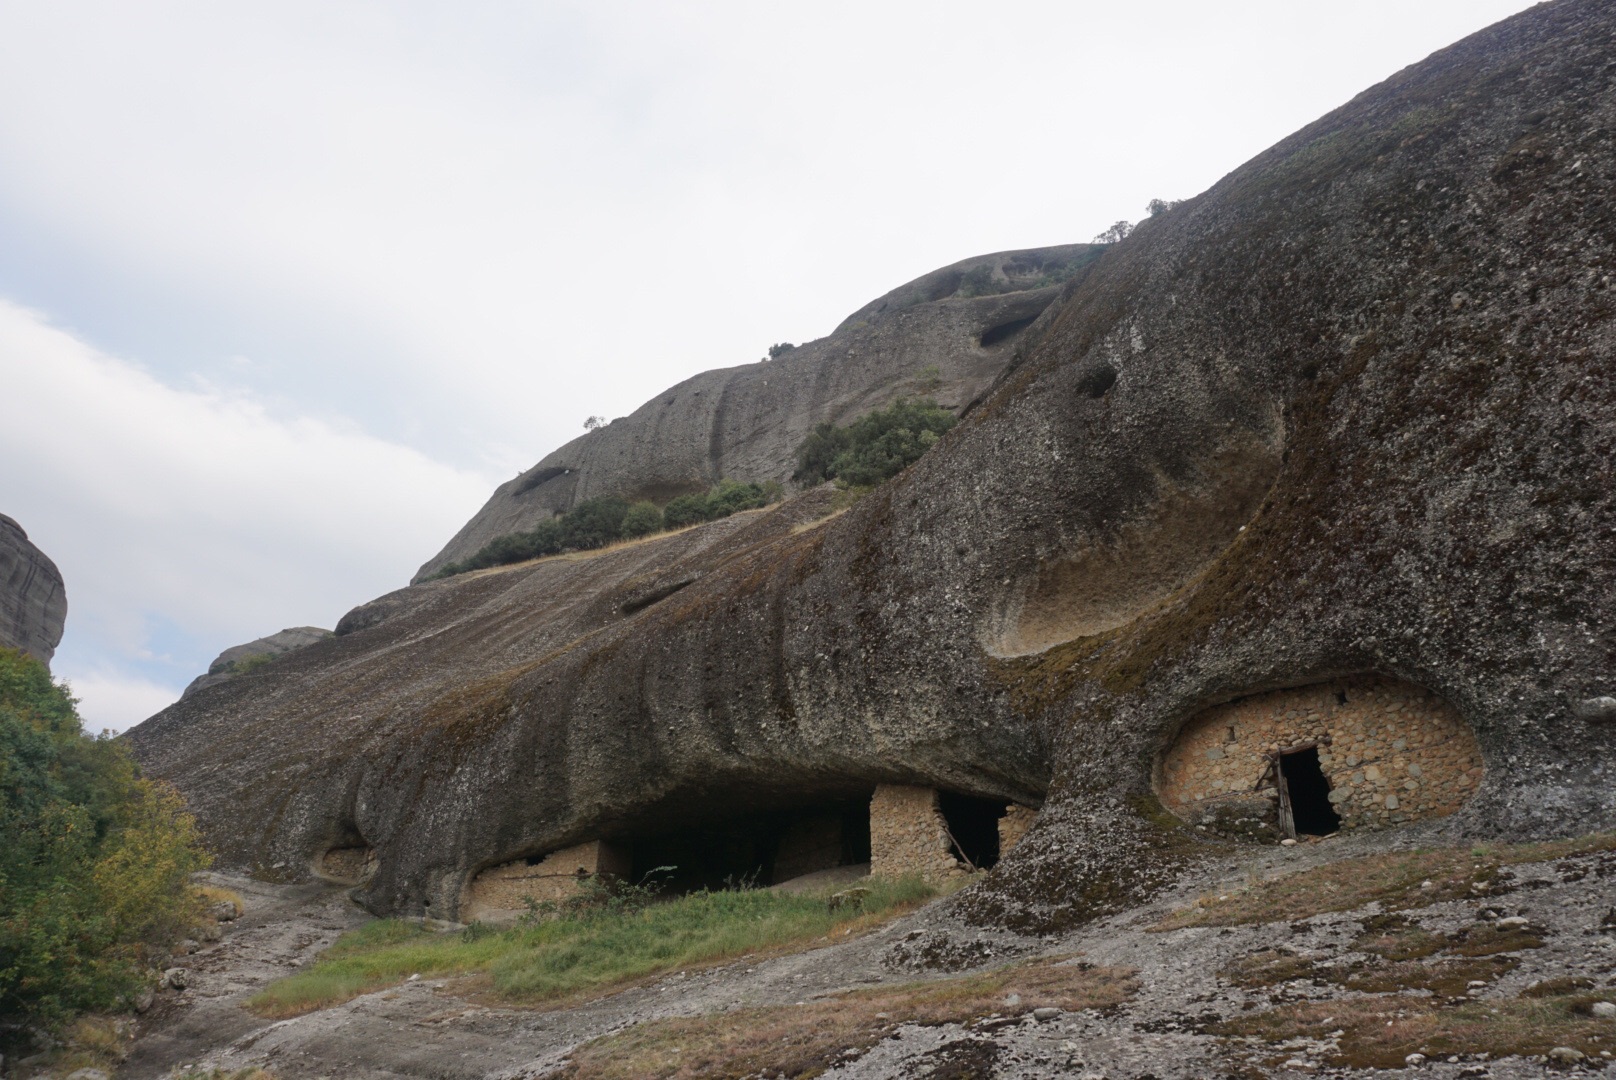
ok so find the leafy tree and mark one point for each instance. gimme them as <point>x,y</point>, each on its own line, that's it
<point>1161,206</point>
<point>95,862</point>
<point>642,519</point>
<point>1115,233</point>
<point>593,422</point>
<point>875,447</point>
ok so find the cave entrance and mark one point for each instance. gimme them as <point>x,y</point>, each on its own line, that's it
<point>973,827</point>
<point>760,849</point>
<point>1304,794</point>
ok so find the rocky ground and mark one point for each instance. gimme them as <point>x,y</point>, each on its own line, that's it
<point>1546,921</point>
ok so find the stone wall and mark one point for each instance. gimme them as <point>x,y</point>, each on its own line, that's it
<point>908,835</point>
<point>347,865</point>
<point>1014,825</point>
<point>1391,752</point>
<point>500,893</point>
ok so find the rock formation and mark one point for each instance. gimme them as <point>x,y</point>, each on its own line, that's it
<point>233,660</point>
<point>946,336</point>
<point>33,601</point>
<point>1346,419</point>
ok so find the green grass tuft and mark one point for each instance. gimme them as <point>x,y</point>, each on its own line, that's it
<point>585,951</point>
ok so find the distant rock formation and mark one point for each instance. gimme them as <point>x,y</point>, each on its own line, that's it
<point>1310,476</point>
<point>238,657</point>
<point>33,600</point>
<point>946,336</point>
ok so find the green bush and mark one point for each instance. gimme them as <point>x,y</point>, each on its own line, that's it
<point>95,862</point>
<point>642,519</point>
<point>595,523</point>
<point>875,447</point>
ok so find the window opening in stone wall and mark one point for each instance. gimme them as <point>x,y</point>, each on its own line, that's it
<point>973,827</point>
<point>1309,793</point>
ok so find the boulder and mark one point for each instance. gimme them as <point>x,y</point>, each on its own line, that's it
<point>33,601</point>
<point>1257,446</point>
<point>239,659</point>
<point>947,336</point>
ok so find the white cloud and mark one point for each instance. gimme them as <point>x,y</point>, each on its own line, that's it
<point>117,702</point>
<point>187,520</point>
<point>473,225</point>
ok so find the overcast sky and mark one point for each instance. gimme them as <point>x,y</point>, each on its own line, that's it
<point>286,288</point>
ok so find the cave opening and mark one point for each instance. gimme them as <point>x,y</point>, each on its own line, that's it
<point>973,827</point>
<point>760,849</point>
<point>1309,793</point>
<point>1004,331</point>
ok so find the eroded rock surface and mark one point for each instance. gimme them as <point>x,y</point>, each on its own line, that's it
<point>233,660</point>
<point>33,601</point>
<point>946,336</point>
<point>1348,413</point>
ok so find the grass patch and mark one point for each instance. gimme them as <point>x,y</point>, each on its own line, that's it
<point>213,894</point>
<point>1400,880</point>
<point>586,950</point>
<point>805,1040</point>
<point>1379,1032</point>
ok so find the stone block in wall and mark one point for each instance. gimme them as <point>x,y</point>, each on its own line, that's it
<point>1014,825</point>
<point>1390,752</point>
<point>908,834</point>
<point>500,894</point>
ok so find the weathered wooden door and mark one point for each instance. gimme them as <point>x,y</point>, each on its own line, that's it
<point>1287,819</point>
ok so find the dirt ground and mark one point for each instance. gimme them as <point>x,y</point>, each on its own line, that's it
<point>424,1030</point>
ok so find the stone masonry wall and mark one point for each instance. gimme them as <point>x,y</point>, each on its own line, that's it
<point>499,894</point>
<point>1014,825</point>
<point>908,835</point>
<point>1391,752</point>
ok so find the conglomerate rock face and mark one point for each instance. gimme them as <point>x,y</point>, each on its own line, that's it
<point>944,336</point>
<point>33,601</point>
<point>1350,414</point>
<point>235,659</point>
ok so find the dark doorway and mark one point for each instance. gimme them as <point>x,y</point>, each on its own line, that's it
<point>973,827</point>
<point>1309,793</point>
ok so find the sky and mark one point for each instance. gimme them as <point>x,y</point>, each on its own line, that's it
<point>287,288</point>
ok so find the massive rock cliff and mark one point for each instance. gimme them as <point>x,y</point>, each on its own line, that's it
<point>1344,420</point>
<point>33,601</point>
<point>946,336</point>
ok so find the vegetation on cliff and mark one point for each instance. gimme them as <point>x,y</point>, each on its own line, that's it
<point>95,862</point>
<point>594,523</point>
<point>875,447</point>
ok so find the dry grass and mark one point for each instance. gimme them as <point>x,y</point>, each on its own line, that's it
<point>1393,937</point>
<point>213,894</point>
<point>795,1041</point>
<point>1400,880</point>
<point>1380,1031</point>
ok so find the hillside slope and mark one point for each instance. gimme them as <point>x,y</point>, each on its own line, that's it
<point>946,335</point>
